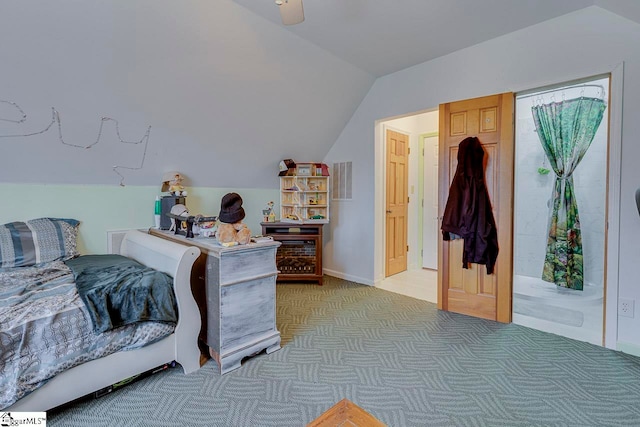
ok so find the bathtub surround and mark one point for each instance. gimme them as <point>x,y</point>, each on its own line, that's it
<point>563,311</point>
<point>542,304</point>
<point>566,130</point>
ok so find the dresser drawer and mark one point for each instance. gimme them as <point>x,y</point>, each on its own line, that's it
<point>236,266</point>
<point>247,310</point>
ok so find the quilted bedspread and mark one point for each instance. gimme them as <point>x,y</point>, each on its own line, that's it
<point>45,329</point>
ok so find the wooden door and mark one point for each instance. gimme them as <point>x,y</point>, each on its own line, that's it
<point>397,202</point>
<point>430,223</point>
<point>471,291</point>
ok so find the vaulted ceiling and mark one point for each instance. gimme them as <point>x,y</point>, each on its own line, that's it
<point>227,90</point>
<point>381,37</point>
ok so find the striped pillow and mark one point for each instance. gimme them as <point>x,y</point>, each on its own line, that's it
<point>39,240</point>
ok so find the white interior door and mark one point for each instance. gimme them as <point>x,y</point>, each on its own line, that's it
<point>430,221</point>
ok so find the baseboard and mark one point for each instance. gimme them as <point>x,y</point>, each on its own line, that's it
<point>625,347</point>
<point>349,277</point>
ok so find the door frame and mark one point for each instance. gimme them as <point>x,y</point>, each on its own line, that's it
<point>379,197</point>
<point>614,178</point>
<point>421,171</point>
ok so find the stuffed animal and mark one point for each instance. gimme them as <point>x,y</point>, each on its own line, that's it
<point>230,233</point>
<point>231,229</point>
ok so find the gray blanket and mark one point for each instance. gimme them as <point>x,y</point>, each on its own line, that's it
<point>46,329</point>
<point>119,291</point>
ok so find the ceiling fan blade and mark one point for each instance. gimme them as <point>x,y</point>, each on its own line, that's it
<point>291,12</point>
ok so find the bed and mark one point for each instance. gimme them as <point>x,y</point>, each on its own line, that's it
<point>50,376</point>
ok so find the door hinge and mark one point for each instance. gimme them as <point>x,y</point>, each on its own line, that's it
<point>407,199</point>
<point>408,150</point>
<point>407,248</point>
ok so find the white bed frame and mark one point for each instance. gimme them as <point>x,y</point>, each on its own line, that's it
<point>181,346</point>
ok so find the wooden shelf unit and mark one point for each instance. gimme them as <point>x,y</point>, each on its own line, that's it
<point>304,199</point>
<point>299,257</point>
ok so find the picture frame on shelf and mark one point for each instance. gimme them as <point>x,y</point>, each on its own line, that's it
<point>303,170</point>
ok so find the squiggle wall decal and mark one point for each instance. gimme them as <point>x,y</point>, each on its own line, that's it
<point>55,119</point>
<point>16,107</point>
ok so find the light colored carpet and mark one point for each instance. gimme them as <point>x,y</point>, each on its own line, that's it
<point>398,358</point>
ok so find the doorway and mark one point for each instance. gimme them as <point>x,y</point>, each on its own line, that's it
<point>559,276</point>
<point>420,278</point>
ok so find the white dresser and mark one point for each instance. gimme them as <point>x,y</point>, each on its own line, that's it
<point>240,289</point>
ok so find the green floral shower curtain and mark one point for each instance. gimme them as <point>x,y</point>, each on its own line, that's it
<point>566,130</point>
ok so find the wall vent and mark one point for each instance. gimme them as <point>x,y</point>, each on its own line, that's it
<point>341,188</point>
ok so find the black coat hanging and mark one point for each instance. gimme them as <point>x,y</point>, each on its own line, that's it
<point>468,212</point>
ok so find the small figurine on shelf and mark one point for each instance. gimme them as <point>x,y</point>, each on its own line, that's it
<point>268,214</point>
<point>203,225</point>
<point>175,186</point>
<point>172,182</point>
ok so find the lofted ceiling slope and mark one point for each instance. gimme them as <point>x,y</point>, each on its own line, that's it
<point>226,89</point>
<point>226,94</point>
<point>382,37</point>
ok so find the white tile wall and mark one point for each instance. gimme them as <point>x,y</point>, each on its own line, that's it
<point>533,196</point>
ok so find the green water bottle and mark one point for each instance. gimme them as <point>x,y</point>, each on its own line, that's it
<point>158,211</point>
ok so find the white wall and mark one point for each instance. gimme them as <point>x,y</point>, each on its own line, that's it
<point>105,208</point>
<point>589,42</point>
<point>227,93</point>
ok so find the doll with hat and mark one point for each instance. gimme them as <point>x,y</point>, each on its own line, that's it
<point>231,229</point>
